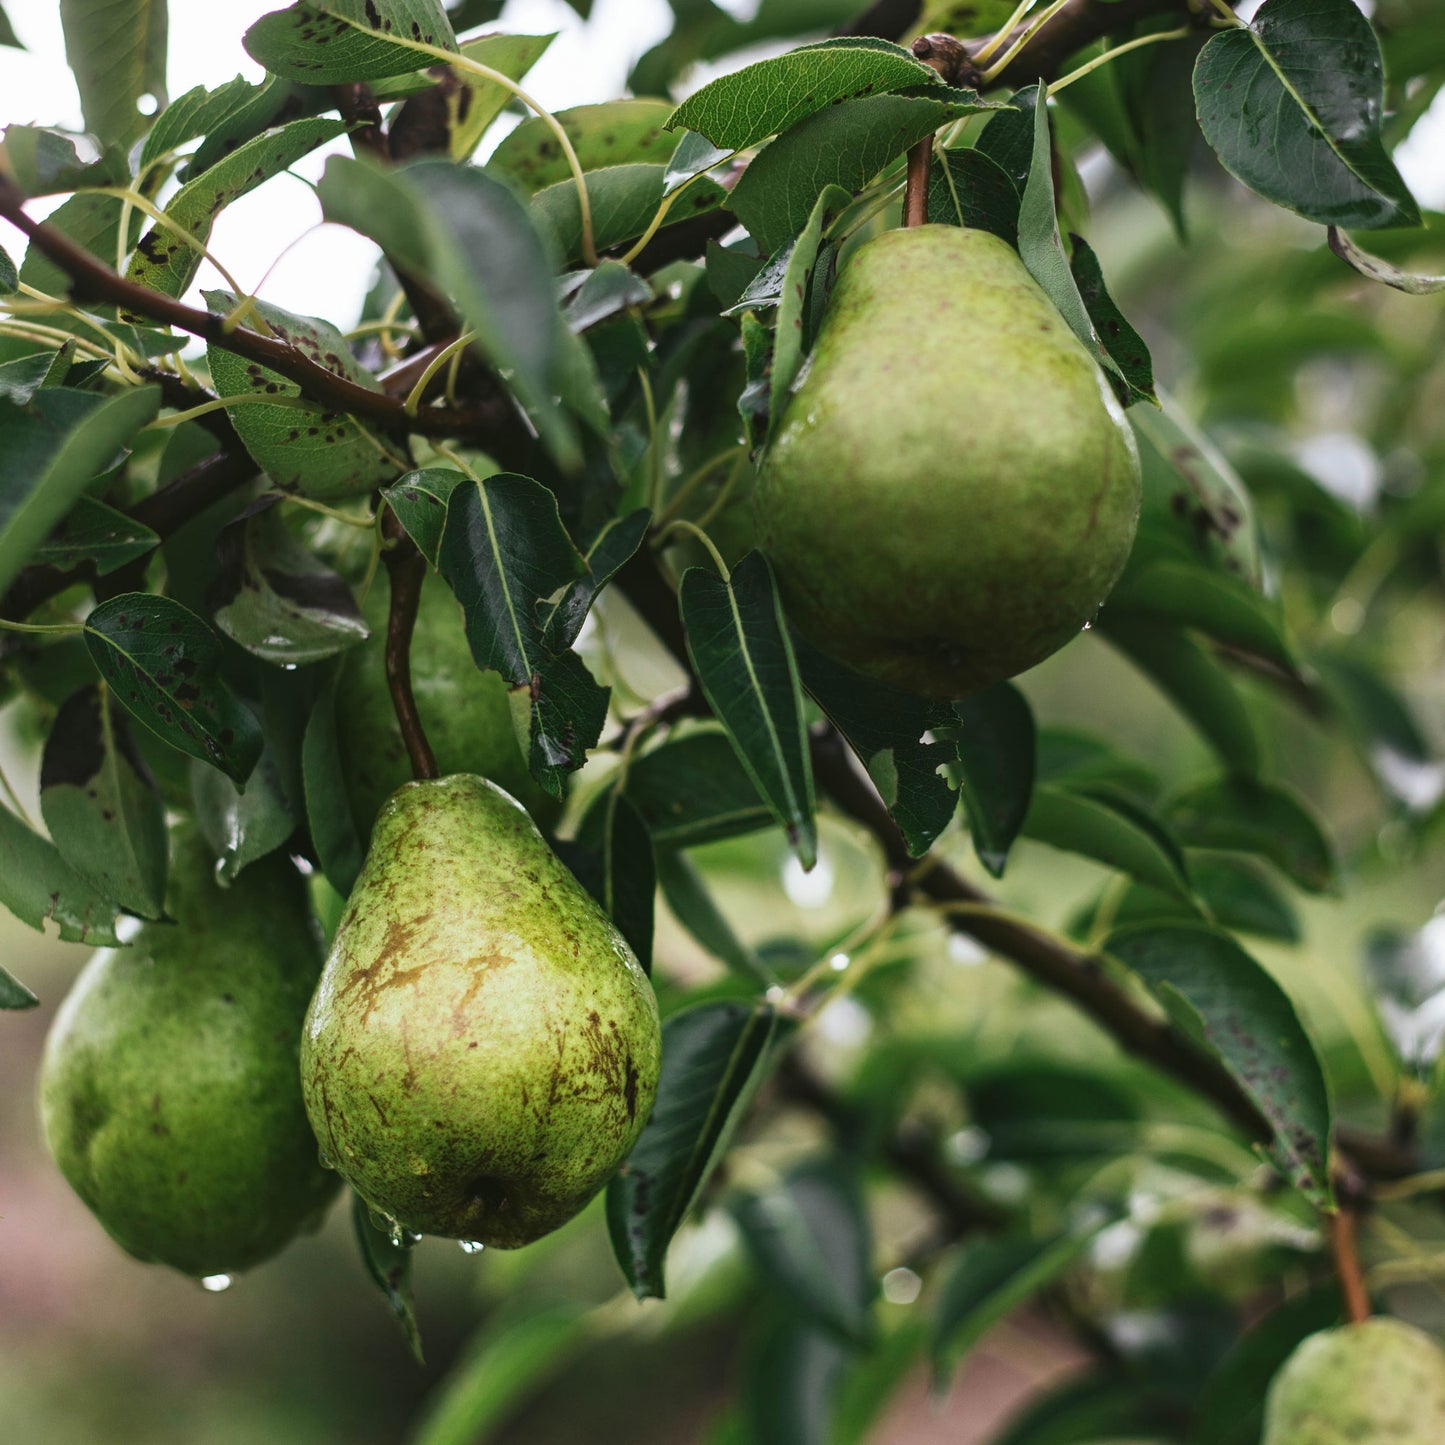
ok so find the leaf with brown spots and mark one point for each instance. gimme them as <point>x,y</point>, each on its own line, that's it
<point>36,883</point>
<point>333,42</point>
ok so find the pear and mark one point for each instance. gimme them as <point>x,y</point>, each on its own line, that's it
<point>483,1048</point>
<point>466,712</point>
<point>169,1095</point>
<point>1381,1382</point>
<point>952,490</point>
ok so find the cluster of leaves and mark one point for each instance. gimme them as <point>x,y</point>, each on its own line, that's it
<point>608,371</point>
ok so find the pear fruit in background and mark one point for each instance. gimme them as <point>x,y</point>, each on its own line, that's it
<point>465,712</point>
<point>169,1093</point>
<point>1381,1382</point>
<point>483,1047</point>
<point>953,489</point>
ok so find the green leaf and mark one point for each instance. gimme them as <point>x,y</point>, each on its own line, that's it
<point>96,534</point>
<point>794,1377</point>
<point>1247,816</point>
<point>614,547</point>
<point>885,727</point>
<point>164,261</point>
<point>53,448</point>
<point>272,596</point>
<point>389,1265</point>
<point>242,827</point>
<point>8,37</point>
<point>1241,898</point>
<point>1224,999</point>
<point>714,1057</point>
<point>419,500</point>
<point>739,109</point>
<point>44,162</point>
<point>101,805</point>
<point>694,155</point>
<point>737,639</point>
<point>693,907</point>
<point>194,114</point>
<point>809,1240</point>
<point>846,146</point>
<point>340,846</point>
<point>604,291</point>
<point>509,55</point>
<point>995,744</point>
<point>36,883</point>
<point>9,276</point>
<point>332,42</point>
<point>327,455</point>
<point>1188,675</point>
<point>967,188</point>
<point>1292,105</point>
<point>164,664</point>
<point>790,343</point>
<point>615,851</point>
<point>1124,345</point>
<point>694,790</point>
<point>13,993</point>
<point>616,133</point>
<point>1100,829</point>
<point>991,1279</point>
<point>117,50</point>
<point>1042,247</point>
<point>471,236</point>
<point>624,199</point>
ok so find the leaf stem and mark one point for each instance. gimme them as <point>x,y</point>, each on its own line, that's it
<point>1028,33</point>
<point>681,524</point>
<point>995,42</point>
<point>1182,33</point>
<point>453,348</point>
<point>41,627</point>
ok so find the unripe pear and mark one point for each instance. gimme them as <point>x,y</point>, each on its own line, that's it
<point>483,1047</point>
<point>1381,1382</point>
<point>466,712</point>
<point>168,1092</point>
<point>953,489</point>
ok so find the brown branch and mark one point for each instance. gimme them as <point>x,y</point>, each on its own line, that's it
<point>915,190</point>
<point>1345,1252</point>
<point>93,281</point>
<point>406,569</point>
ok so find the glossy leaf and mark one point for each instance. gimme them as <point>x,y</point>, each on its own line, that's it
<point>695,790</point>
<point>13,993</point>
<point>274,597</point>
<point>94,533</point>
<point>714,1057</point>
<point>738,641</point>
<point>328,455</point>
<point>243,826</point>
<point>887,730</point>
<point>1219,995</point>
<point>164,664</point>
<point>810,1242</point>
<point>420,500</point>
<point>1248,816</point>
<point>37,884</point>
<point>1099,829</point>
<point>164,261</point>
<point>1124,345</point>
<point>117,53</point>
<point>101,805</point>
<point>609,553</point>
<point>616,133</point>
<point>692,905</point>
<point>53,448</point>
<point>389,1265</point>
<point>604,291</point>
<point>1292,105</point>
<point>332,42</point>
<point>995,744</point>
<point>340,847</point>
<point>967,188</point>
<point>617,868</point>
<point>739,109</point>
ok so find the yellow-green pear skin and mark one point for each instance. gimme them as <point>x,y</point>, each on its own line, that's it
<point>952,490</point>
<point>483,1047</point>
<point>169,1094</point>
<point>465,711</point>
<point>1381,1382</point>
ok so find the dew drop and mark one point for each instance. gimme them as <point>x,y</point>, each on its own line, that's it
<point>324,1159</point>
<point>215,1283</point>
<point>472,1246</point>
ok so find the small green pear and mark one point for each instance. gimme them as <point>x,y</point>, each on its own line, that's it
<point>168,1091</point>
<point>953,489</point>
<point>483,1047</point>
<point>465,712</point>
<point>1381,1382</point>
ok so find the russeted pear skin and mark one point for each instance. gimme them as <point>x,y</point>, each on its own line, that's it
<point>483,1047</point>
<point>1381,1382</point>
<point>465,711</point>
<point>953,489</point>
<point>169,1095</point>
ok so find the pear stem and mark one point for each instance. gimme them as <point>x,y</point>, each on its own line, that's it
<point>406,568</point>
<point>1341,1225</point>
<point>915,193</point>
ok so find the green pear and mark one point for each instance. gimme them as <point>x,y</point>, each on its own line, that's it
<point>953,489</point>
<point>1381,1382</point>
<point>169,1095</point>
<point>483,1048</point>
<point>466,712</point>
